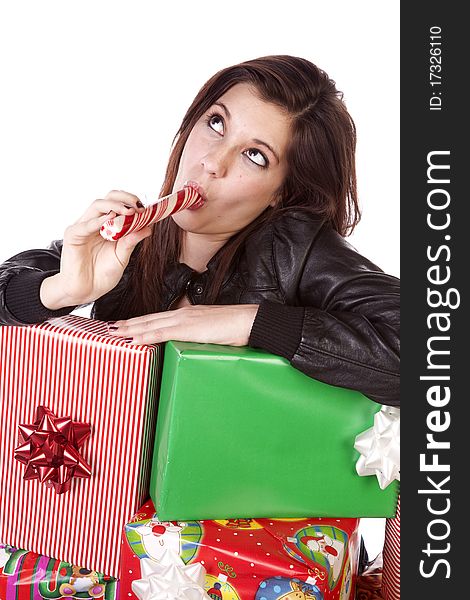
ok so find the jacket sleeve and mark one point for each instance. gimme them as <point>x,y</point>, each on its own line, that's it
<point>20,281</point>
<point>344,328</point>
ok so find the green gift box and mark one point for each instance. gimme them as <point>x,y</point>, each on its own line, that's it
<point>242,433</point>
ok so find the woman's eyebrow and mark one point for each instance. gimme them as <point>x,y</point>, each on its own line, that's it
<point>255,140</point>
<point>222,105</point>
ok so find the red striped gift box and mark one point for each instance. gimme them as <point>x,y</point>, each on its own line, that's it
<point>391,558</point>
<point>74,368</point>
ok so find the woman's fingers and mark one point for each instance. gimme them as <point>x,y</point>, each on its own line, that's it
<point>86,227</point>
<point>145,321</point>
<point>229,325</point>
<point>122,203</point>
<point>83,229</point>
<point>122,196</point>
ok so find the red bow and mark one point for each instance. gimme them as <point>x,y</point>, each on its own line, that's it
<point>50,449</point>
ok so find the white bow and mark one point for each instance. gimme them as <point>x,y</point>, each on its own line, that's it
<point>170,579</point>
<point>379,447</point>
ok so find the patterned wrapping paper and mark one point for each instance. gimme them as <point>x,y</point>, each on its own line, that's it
<point>30,576</point>
<point>250,559</point>
<point>74,368</point>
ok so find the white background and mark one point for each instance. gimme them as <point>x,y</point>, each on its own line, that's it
<point>93,92</point>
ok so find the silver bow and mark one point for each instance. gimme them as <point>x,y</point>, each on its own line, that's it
<point>379,447</point>
<point>170,579</point>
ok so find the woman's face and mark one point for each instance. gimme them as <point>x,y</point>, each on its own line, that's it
<point>236,154</point>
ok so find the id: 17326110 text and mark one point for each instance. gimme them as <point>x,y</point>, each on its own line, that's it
<point>435,67</point>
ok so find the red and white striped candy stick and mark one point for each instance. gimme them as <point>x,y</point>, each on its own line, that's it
<point>164,207</point>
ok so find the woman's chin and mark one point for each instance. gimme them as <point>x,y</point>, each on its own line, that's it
<point>188,220</point>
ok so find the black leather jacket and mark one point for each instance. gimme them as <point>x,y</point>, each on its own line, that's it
<point>330,311</point>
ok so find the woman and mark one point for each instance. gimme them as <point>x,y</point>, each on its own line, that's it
<point>271,147</point>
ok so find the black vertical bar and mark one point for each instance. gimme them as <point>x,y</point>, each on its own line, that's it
<point>435,363</point>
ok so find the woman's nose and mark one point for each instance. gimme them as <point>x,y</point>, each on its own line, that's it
<point>215,162</point>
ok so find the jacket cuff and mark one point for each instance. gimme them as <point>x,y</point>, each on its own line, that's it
<point>23,300</point>
<point>278,329</point>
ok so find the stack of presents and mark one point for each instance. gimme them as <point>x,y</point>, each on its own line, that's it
<point>182,471</point>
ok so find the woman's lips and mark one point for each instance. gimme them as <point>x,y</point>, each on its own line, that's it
<point>195,186</point>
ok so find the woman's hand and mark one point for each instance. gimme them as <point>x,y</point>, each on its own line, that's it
<point>90,265</point>
<point>229,325</point>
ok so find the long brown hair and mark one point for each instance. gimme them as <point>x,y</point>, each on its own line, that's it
<point>321,172</point>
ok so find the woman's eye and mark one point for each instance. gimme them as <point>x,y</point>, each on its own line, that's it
<point>257,157</point>
<point>216,123</point>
